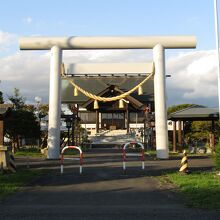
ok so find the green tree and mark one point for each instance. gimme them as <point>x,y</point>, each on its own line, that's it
<point>201,130</point>
<point>22,122</point>
<point>43,110</point>
<point>17,100</point>
<point>29,108</point>
<point>1,98</point>
<point>217,157</point>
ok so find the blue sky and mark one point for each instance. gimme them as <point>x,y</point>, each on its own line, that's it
<point>112,17</point>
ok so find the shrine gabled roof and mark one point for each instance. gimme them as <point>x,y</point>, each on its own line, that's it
<point>97,84</point>
<point>113,91</point>
<point>195,113</point>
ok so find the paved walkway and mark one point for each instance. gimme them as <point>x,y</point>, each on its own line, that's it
<point>113,137</point>
<point>103,191</point>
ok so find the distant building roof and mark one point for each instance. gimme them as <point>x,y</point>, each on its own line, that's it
<point>195,113</point>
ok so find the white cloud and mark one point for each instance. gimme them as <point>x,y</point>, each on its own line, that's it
<point>107,56</point>
<point>7,40</point>
<point>193,20</point>
<point>29,71</point>
<point>28,20</point>
<point>194,74</point>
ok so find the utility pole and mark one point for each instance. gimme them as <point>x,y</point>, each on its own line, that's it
<point>217,48</point>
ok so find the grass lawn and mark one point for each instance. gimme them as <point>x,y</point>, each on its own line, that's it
<point>174,155</point>
<point>201,189</point>
<point>32,152</point>
<point>11,182</point>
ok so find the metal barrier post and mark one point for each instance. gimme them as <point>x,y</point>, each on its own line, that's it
<point>81,163</point>
<point>80,158</point>
<point>124,159</point>
<point>61,166</point>
<point>141,155</point>
<point>143,159</point>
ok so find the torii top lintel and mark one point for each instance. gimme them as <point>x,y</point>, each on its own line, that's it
<point>119,42</point>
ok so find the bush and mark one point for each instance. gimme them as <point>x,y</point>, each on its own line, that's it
<point>217,156</point>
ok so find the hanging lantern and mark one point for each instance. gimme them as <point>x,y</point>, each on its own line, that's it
<point>75,93</point>
<point>140,90</point>
<point>121,103</point>
<point>96,104</point>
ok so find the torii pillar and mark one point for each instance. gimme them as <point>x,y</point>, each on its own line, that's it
<point>157,43</point>
<point>160,102</point>
<point>53,141</point>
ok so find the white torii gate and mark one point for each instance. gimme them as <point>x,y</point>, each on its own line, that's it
<point>57,44</point>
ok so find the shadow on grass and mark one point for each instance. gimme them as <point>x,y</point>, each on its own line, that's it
<point>200,189</point>
<point>11,182</point>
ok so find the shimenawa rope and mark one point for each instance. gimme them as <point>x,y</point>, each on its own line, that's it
<point>106,99</point>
